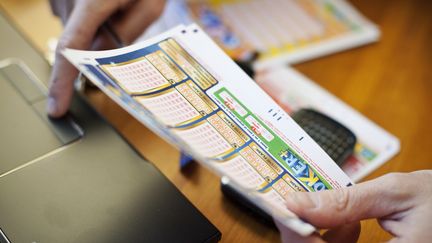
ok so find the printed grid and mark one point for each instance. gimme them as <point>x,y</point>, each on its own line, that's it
<point>184,64</point>
<point>171,108</point>
<point>160,61</point>
<point>205,140</point>
<point>193,98</point>
<point>137,77</point>
<point>181,61</point>
<point>282,188</point>
<point>259,164</point>
<point>225,130</point>
<point>239,170</point>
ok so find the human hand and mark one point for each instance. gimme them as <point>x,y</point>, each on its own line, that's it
<point>402,204</point>
<point>82,20</point>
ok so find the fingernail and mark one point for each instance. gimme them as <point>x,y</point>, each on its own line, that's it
<point>51,106</point>
<point>302,199</point>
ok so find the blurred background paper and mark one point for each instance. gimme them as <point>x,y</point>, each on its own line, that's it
<point>293,91</point>
<point>281,31</point>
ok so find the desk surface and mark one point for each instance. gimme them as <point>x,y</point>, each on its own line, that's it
<point>390,82</point>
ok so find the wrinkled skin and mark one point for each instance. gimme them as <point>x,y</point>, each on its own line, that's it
<point>401,202</point>
<point>82,21</point>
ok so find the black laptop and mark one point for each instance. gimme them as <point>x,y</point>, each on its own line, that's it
<point>76,179</point>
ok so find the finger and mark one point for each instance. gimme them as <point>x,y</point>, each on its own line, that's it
<point>132,22</point>
<point>62,9</point>
<point>391,226</point>
<point>128,24</point>
<point>373,199</point>
<point>104,41</point>
<point>344,234</point>
<point>288,235</point>
<point>78,34</point>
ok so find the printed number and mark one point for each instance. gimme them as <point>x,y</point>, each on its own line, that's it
<point>255,129</point>
<point>229,103</point>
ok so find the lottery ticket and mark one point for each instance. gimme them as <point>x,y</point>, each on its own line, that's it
<point>186,89</point>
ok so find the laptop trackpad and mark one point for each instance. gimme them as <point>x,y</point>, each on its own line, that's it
<point>26,133</point>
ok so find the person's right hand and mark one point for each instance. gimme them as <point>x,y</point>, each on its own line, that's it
<point>402,204</point>
<point>82,19</point>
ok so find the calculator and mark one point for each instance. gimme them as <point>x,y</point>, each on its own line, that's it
<point>334,138</point>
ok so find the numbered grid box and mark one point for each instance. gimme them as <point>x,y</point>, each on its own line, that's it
<point>205,139</point>
<point>259,164</point>
<point>137,77</point>
<point>238,169</point>
<point>166,66</point>
<point>170,107</point>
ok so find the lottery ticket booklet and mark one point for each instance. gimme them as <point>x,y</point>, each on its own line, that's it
<point>183,87</point>
<point>281,31</point>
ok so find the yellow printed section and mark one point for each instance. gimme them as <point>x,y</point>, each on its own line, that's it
<point>282,187</point>
<point>188,64</point>
<point>260,165</point>
<point>185,65</point>
<point>192,61</point>
<point>202,95</point>
<point>233,126</point>
<point>271,162</point>
<point>194,99</point>
<point>293,184</point>
<point>232,137</point>
<point>168,69</point>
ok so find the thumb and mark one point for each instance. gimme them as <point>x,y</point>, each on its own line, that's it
<point>79,32</point>
<point>372,199</point>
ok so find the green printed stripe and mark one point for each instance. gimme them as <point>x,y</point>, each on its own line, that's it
<point>276,147</point>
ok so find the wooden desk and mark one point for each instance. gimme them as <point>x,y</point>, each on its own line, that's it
<point>390,82</point>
